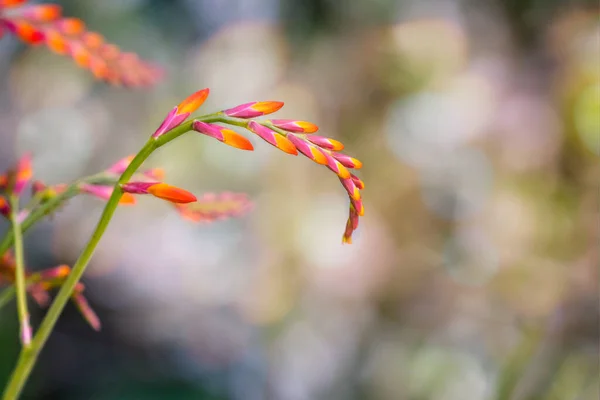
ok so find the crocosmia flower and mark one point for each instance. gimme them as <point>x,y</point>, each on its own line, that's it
<point>181,112</point>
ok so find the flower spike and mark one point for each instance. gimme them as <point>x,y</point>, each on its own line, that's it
<point>254,109</point>
<point>45,24</point>
<point>181,112</point>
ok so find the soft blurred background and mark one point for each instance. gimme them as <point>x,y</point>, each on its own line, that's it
<point>474,274</point>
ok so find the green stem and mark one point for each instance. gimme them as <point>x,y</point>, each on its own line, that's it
<point>28,356</point>
<point>20,285</point>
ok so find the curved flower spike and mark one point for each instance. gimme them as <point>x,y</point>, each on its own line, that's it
<point>182,111</point>
<point>160,190</point>
<point>254,109</point>
<point>224,135</point>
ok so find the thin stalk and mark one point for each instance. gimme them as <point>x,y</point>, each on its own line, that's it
<point>20,285</point>
<point>28,356</point>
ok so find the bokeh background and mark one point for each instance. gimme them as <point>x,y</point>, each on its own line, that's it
<point>474,274</point>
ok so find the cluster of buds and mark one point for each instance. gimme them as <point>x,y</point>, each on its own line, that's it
<point>37,24</point>
<point>39,284</point>
<point>290,136</point>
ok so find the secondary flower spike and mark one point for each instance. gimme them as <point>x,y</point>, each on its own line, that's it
<point>181,112</point>
<point>160,190</point>
<point>254,109</point>
<point>44,24</point>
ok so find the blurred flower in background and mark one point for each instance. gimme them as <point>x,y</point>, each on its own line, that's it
<point>474,274</point>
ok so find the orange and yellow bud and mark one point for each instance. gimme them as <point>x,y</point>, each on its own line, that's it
<point>291,125</point>
<point>23,175</point>
<point>310,151</point>
<point>272,137</point>
<point>171,193</point>
<point>326,143</point>
<point>193,102</point>
<point>254,109</point>
<point>160,190</point>
<point>347,161</point>
<point>224,135</point>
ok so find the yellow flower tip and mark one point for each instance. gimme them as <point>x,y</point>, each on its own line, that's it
<point>342,171</point>
<point>336,145</point>
<point>127,199</point>
<point>347,239</point>
<point>307,127</point>
<point>236,140</point>
<point>267,107</point>
<point>357,163</point>
<point>319,156</point>
<point>284,144</point>
<point>193,102</point>
<point>171,193</point>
